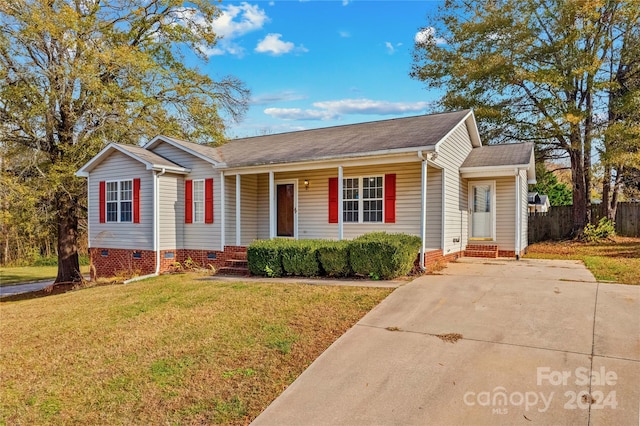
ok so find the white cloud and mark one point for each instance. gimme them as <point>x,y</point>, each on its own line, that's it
<point>345,2</point>
<point>428,35</point>
<point>344,34</point>
<point>368,106</point>
<point>236,21</point>
<point>328,110</point>
<point>273,45</point>
<point>270,98</point>
<point>299,114</point>
<point>391,48</point>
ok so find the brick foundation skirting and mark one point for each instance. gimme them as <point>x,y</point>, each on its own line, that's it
<point>110,262</point>
<point>434,259</point>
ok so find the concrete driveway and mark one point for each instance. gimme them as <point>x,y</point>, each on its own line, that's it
<point>486,342</point>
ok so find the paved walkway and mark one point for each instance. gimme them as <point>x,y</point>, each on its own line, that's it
<point>485,342</point>
<point>24,288</point>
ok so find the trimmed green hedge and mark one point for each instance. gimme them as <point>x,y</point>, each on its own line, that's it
<point>264,257</point>
<point>377,255</point>
<point>334,258</point>
<point>300,258</point>
<point>383,255</point>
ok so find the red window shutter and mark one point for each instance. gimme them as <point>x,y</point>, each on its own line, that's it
<point>390,198</point>
<point>136,200</point>
<point>208,200</point>
<point>103,202</point>
<point>333,200</point>
<point>188,201</point>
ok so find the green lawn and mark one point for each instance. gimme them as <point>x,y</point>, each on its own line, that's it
<point>24,274</point>
<point>616,260</point>
<point>176,349</point>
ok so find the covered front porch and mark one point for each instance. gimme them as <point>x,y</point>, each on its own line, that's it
<point>334,201</point>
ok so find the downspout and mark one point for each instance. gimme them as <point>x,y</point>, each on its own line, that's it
<point>518,216</point>
<point>423,209</point>
<point>156,217</point>
<point>156,227</point>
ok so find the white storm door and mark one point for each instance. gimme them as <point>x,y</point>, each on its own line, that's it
<point>482,206</point>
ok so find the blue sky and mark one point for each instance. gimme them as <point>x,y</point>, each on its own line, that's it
<point>313,64</point>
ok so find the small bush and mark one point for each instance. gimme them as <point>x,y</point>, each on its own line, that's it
<point>383,255</point>
<point>300,258</point>
<point>603,230</point>
<point>264,258</point>
<point>334,258</point>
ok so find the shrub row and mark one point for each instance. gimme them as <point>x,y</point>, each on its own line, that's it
<point>377,255</point>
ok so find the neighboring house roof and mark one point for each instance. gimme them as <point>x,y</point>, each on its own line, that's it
<point>538,200</point>
<point>378,137</point>
<point>205,152</point>
<point>504,156</point>
<point>151,160</point>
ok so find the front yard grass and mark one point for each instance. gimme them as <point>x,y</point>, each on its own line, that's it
<point>615,260</point>
<point>25,274</point>
<point>175,349</point>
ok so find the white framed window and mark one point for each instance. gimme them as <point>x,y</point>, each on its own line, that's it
<point>362,199</point>
<point>119,201</point>
<point>198,201</point>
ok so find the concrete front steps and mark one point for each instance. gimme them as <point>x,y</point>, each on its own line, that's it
<point>481,250</point>
<point>236,264</point>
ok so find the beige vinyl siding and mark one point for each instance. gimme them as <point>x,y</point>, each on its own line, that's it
<point>171,211</point>
<point>249,209</point>
<point>119,166</point>
<point>194,235</point>
<point>262,199</point>
<point>313,203</point>
<point>524,213</point>
<point>434,208</point>
<point>451,154</point>
<point>230,210</point>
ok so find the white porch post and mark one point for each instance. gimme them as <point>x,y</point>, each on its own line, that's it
<point>423,212</point>
<point>340,206</point>
<point>238,212</point>
<point>272,206</point>
<point>222,214</point>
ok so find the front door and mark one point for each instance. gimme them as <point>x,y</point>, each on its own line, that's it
<point>286,209</point>
<point>482,200</point>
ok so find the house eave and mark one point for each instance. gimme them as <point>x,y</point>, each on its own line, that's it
<point>490,171</point>
<point>469,121</point>
<point>106,151</point>
<point>160,138</point>
<point>398,156</point>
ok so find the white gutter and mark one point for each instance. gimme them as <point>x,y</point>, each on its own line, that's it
<point>156,217</point>
<point>222,212</point>
<point>156,228</point>
<point>423,209</point>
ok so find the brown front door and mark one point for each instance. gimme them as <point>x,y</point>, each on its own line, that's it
<point>285,209</point>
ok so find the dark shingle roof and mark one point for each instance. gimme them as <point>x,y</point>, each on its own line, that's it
<point>513,154</point>
<point>204,150</point>
<point>149,156</point>
<point>340,141</point>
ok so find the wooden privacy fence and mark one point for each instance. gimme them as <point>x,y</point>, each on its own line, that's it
<point>557,223</point>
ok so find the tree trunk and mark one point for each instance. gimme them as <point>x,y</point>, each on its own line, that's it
<point>579,192</point>
<point>606,187</point>
<point>616,191</point>
<point>68,262</point>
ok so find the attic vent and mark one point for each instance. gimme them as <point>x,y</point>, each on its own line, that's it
<point>137,255</point>
<point>211,256</point>
<point>169,255</point>
<point>104,253</point>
